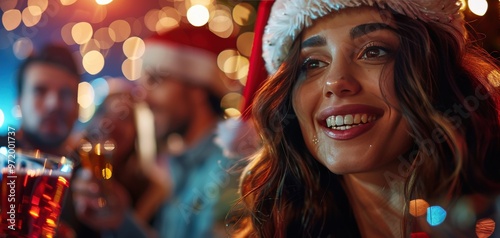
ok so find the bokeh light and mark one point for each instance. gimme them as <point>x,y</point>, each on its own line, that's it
<point>435,215</point>
<point>35,11</point>
<point>85,145</point>
<point>485,228</point>
<point>91,45</point>
<point>418,207</point>
<point>22,48</point>
<point>168,18</point>
<point>101,90</point>
<point>165,24</point>
<point>151,18</point>
<point>85,114</point>
<point>132,69</point>
<point>67,2</point>
<point>221,23</point>
<point>85,94</point>
<point>29,19</point>
<point>81,32</point>
<point>121,30</point>
<point>66,33</point>
<point>6,5</point>
<point>231,100</point>
<point>11,19</point>
<point>41,4</point>
<point>244,14</point>
<point>107,172</point>
<point>93,62</point>
<point>134,47</point>
<point>103,2</point>
<point>106,37</point>
<point>244,43</point>
<point>232,113</point>
<point>170,12</point>
<point>478,7</point>
<point>224,56</point>
<point>199,2</point>
<point>198,15</point>
<point>109,145</point>
<point>236,67</point>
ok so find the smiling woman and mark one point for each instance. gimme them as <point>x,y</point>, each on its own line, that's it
<point>347,64</point>
<point>375,115</point>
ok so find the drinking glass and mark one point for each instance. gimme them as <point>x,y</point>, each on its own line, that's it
<point>96,157</point>
<point>33,187</point>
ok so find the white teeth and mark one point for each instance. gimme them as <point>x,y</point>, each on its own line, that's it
<point>348,121</point>
<point>339,120</point>
<point>357,119</point>
<point>364,118</point>
<point>330,122</point>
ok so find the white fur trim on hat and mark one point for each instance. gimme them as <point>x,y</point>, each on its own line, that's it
<point>194,64</point>
<point>289,17</point>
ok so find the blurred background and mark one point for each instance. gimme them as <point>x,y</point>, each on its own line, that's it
<point>106,37</point>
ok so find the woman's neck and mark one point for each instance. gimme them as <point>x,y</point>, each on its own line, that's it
<point>377,201</point>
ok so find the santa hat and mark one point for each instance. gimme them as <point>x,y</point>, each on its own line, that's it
<point>190,52</point>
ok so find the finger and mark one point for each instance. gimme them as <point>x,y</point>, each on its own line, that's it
<point>81,187</point>
<point>84,174</point>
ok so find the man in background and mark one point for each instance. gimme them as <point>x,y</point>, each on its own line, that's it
<point>183,87</point>
<point>47,87</point>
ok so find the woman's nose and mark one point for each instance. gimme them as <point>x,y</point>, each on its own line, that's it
<point>340,81</point>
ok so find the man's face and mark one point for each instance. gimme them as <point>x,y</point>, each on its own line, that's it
<point>170,101</point>
<point>48,104</point>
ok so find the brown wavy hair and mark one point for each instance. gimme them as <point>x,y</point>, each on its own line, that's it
<point>441,82</point>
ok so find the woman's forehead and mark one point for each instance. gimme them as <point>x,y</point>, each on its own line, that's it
<point>348,18</point>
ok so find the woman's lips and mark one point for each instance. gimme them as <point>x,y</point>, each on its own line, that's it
<point>348,121</point>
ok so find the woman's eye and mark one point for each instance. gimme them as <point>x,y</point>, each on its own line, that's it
<point>374,52</point>
<point>312,64</point>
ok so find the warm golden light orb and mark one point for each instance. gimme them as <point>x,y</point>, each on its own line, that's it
<point>103,2</point>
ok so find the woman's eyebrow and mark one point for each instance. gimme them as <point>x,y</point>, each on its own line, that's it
<point>355,32</point>
<point>314,41</point>
<point>363,29</point>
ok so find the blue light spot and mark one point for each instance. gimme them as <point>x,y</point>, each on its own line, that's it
<point>101,90</point>
<point>435,215</point>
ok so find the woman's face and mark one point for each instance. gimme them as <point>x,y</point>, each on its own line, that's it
<point>347,64</point>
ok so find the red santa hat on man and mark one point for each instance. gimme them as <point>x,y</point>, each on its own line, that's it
<point>191,53</point>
